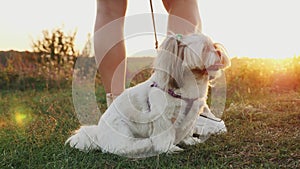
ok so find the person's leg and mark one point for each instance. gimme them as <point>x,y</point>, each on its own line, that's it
<point>184,17</point>
<point>109,44</point>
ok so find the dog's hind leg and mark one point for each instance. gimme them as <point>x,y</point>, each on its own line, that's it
<point>119,139</point>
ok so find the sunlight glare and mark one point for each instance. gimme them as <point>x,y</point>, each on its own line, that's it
<point>22,115</point>
<point>20,118</point>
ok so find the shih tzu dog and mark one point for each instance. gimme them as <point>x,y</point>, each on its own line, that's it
<point>156,115</point>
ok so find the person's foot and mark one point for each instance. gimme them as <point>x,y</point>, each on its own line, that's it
<point>207,125</point>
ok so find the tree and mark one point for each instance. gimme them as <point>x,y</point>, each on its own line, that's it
<point>56,47</point>
<point>87,49</point>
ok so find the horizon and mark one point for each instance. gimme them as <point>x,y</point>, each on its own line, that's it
<point>153,57</point>
<point>229,23</point>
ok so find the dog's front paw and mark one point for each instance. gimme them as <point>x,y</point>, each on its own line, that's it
<point>174,149</point>
<point>192,141</point>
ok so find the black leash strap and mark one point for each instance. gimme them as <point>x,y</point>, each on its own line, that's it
<point>153,22</point>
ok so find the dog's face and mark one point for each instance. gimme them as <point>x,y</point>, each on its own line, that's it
<point>203,56</point>
<point>195,53</point>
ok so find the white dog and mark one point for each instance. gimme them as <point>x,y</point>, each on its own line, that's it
<point>157,114</point>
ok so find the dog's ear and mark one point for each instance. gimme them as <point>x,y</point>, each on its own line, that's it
<point>169,62</point>
<point>215,57</point>
<point>222,53</point>
<point>208,57</point>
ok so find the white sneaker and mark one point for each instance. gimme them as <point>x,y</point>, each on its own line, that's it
<point>207,123</point>
<point>207,126</point>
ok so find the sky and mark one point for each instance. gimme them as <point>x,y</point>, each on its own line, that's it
<point>251,28</point>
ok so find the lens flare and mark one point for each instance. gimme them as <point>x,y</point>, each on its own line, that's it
<point>20,118</point>
<point>21,115</point>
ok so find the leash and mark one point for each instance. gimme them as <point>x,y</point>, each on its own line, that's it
<point>153,22</point>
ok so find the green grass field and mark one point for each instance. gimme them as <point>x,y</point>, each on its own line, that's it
<point>263,132</point>
<point>262,116</point>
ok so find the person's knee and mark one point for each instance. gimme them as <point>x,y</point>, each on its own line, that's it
<point>179,4</point>
<point>167,4</point>
<point>112,8</point>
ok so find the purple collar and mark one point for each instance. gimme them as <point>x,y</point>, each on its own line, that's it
<point>189,101</point>
<point>170,91</point>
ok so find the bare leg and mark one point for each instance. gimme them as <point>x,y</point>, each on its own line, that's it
<point>109,33</point>
<point>184,17</point>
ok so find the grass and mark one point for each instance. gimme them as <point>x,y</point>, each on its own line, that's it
<point>263,132</point>
<point>262,116</point>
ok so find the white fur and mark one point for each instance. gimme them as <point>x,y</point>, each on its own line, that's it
<point>144,120</point>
